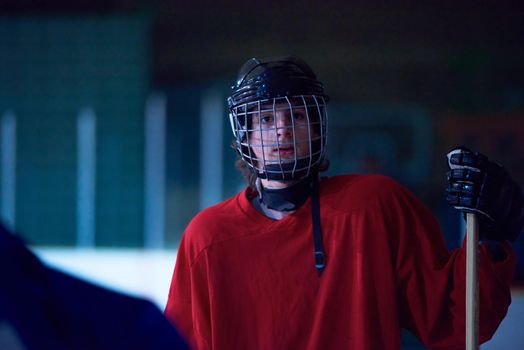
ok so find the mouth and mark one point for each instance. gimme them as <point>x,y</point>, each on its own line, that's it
<point>285,150</point>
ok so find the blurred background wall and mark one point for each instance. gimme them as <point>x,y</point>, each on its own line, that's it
<point>114,131</point>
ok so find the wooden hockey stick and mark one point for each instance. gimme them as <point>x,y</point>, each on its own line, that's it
<point>472,288</point>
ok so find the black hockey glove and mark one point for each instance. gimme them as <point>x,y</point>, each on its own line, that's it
<point>477,185</point>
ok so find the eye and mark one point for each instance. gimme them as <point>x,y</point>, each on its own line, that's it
<point>266,119</point>
<point>299,116</point>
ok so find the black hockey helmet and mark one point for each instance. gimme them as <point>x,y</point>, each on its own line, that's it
<point>260,79</point>
<point>268,85</point>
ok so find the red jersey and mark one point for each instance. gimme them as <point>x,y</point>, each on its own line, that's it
<point>245,281</point>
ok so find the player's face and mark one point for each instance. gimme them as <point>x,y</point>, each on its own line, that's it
<point>280,133</point>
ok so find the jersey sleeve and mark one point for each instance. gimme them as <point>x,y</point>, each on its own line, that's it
<point>431,281</point>
<point>188,300</point>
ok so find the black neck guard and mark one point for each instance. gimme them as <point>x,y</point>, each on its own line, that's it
<point>288,198</point>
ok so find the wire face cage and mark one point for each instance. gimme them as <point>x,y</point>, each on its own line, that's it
<point>281,138</point>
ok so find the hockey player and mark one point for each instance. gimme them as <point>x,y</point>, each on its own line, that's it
<point>296,261</point>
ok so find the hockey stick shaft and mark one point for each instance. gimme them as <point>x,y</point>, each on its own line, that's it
<point>472,290</point>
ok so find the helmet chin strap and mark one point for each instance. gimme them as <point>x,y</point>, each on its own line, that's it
<point>285,199</point>
<point>291,198</point>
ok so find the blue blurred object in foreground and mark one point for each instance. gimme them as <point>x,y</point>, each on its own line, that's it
<point>41,308</point>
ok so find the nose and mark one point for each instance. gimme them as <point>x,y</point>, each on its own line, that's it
<point>284,124</point>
